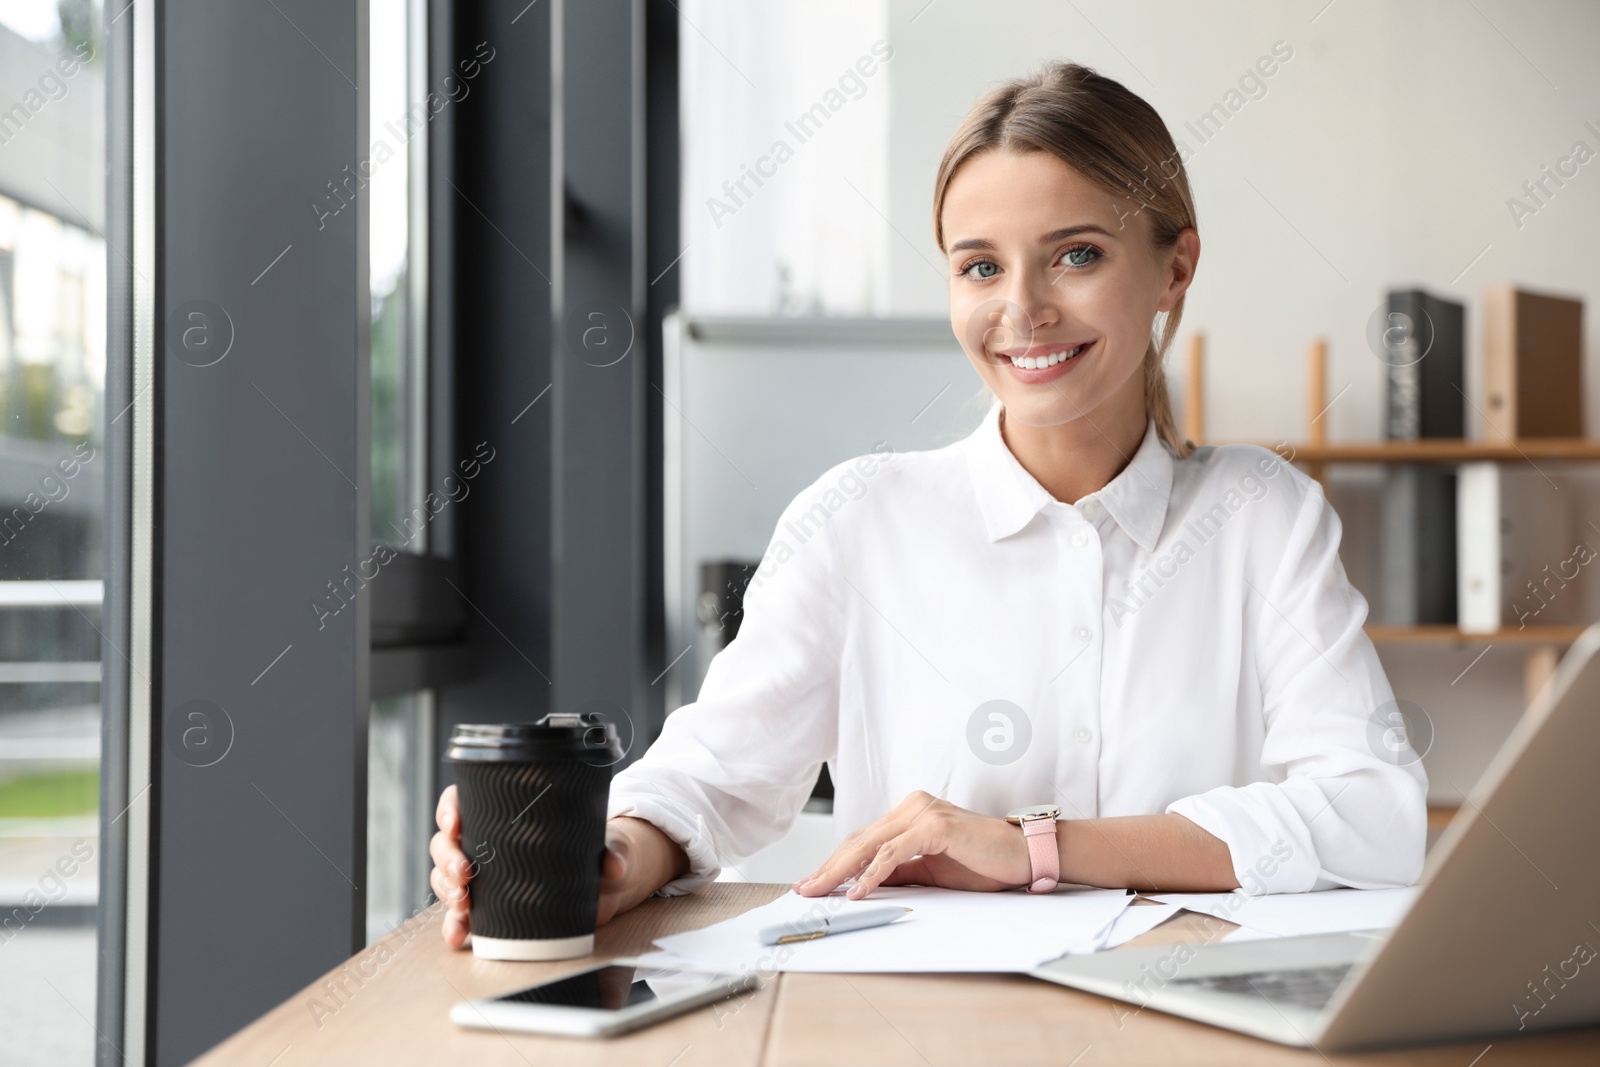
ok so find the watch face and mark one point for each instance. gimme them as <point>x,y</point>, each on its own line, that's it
<point>1038,811</point>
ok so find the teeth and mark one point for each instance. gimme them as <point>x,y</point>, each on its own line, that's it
<point>1047,360</point>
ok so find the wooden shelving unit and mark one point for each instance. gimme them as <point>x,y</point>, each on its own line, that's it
<point>1442,450</point>
<point>1449,635</point>
<point>1541,645</point>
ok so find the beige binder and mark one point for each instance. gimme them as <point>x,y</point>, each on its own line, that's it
<point>1532,355</point>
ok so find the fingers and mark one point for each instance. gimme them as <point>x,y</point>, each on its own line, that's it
<point>448,814</point>
<point>448,857</point>
<point>857,851</point>
<point>456,928</point>
<point>847,861</point>
<point>613,885</point>
<point>615,867</point>
<point>842,866</point>
<point>451,870</point>
<point>889,857</point>
<point>451,894</point>
<point>445,848</point>
<point>610,904</point>
<point>448,880</point>
<point>457,921</point>
<point>911,872</point>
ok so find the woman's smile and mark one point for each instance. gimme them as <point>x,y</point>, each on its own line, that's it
<point>1038,364</point>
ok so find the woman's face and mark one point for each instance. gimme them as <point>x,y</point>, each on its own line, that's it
<point>1054,284</point>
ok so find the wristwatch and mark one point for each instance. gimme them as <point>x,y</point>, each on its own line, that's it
<point>1039,829</point>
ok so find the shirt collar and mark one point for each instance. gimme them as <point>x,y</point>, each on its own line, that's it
<point>1009,497</point>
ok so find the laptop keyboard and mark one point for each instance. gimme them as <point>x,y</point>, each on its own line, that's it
<point>1308,987</point>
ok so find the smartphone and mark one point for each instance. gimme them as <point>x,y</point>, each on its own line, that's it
<point>612,998</point>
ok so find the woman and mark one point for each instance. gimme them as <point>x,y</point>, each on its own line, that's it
<point>1072,611</point>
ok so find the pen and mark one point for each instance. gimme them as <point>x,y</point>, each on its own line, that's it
<point>811,929</point>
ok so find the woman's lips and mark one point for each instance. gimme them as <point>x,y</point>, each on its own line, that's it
<point>1047,362</point>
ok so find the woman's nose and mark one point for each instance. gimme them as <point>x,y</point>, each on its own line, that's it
<point>1032,300</point>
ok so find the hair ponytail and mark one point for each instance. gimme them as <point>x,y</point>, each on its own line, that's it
<point>1158,403</point>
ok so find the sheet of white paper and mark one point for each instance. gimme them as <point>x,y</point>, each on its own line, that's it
<point>659,958</point>
<point>1135,921</point>
<point>947,930</point>
<point>1286,914</point>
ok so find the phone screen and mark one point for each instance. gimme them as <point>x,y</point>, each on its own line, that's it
<point>611,988</point>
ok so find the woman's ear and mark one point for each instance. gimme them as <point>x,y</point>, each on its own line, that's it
<point>1182,259</point>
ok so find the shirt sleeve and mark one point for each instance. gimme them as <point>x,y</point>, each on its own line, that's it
<point>731,771</point>
<point>1346,799</point>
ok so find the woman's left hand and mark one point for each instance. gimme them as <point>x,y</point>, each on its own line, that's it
<point>926,841</point>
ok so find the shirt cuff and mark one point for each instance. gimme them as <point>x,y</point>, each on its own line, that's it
<point>1271,851</point>
<point>687,829</point>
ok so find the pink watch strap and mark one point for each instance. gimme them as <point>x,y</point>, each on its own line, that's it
<point>1041,837</point>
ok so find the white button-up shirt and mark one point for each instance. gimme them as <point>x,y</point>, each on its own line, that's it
<point>1182,640</point>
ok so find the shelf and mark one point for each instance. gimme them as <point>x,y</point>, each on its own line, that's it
<point>1441,450</point>
<point>1439,816</point>
<point>1540,645</point>
<point>1450,635</point>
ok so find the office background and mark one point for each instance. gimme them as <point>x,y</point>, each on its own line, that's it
<point>396,475</point>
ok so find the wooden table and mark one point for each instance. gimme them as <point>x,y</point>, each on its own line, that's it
<point>389,1005</point>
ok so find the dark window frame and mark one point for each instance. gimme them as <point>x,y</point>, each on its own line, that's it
<point>260,856</point>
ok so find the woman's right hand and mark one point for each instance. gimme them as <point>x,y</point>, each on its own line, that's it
<point>451,870</point>
<point>639,859</point>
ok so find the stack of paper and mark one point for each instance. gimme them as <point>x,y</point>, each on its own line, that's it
<point>946,930</point>
<point>1135,921</point>
<point>1286,914</point>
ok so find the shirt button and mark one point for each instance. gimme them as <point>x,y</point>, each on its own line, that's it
<point>1082,735</point>
<point>1083,633</point>
<point>1080,539</point>
<point>1091,508</point>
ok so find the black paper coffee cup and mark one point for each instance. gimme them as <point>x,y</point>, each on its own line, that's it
<point>533,823</point>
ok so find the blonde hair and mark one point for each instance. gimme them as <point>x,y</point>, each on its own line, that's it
<point>1114,139</point>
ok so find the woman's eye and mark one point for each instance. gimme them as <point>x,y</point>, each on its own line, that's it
<point>982,269</point>
<point>1082,256</point>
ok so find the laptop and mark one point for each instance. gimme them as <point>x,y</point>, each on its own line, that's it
<point>1503,938</point>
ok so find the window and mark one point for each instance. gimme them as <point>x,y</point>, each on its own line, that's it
<point>785,158</point>
<point>397,196</point>
<point>52,381</point>
<point>399,809</point>
<point>400,751</point>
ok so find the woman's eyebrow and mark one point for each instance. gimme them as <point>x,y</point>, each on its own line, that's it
<point>1053,235</point>
<point>1073,231</point>
<point>972,242</point>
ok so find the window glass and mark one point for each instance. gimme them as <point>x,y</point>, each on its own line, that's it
<point>52,489</point>
<point>399,809</point>
<point>785,126</point>
<point>394,195</point>
<point>400,737</point>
